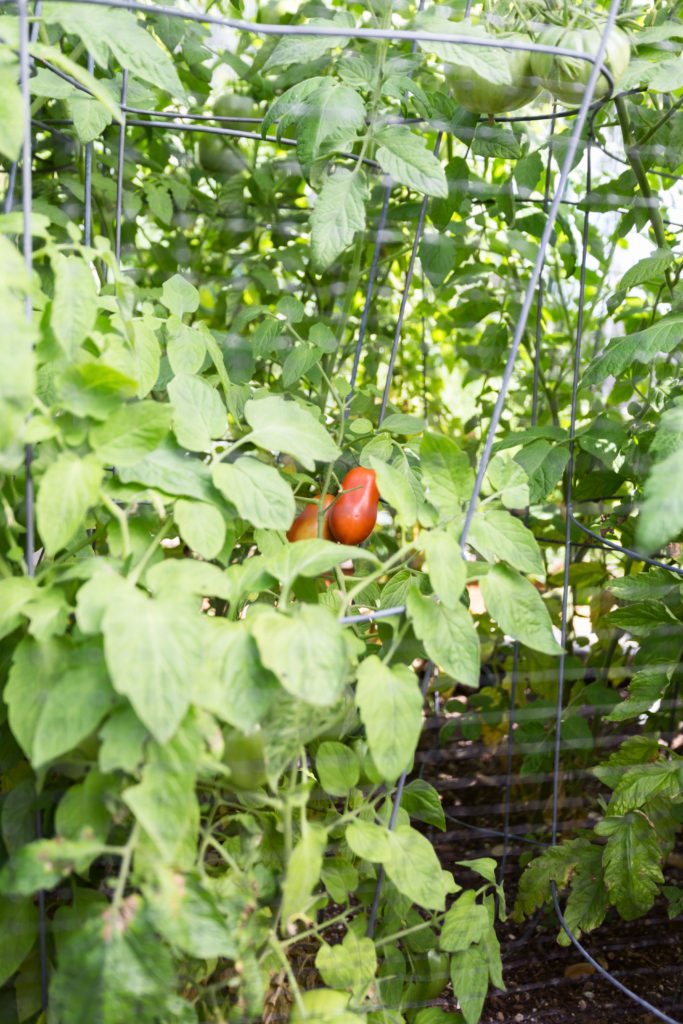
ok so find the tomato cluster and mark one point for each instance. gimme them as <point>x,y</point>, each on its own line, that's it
<point>565,78</point>
<point>352,515</point>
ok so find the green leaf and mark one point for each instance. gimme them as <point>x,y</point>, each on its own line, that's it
<point>177,575</point>
<point>147,356</point>
<point>338,768</point>
<point>632,863</point>
<point>484,866</point>
<point>446,472</point>
<point>15,593</point>
<point>544,465</point>
<point>291,105</point>
<point>123,737</point>
<point>658,76</point>
<point>297,364</point>
<point>644,781</point>
<point>645,688</point>
<point>403,155</point>
<point>414,868</point>
<point>44,863</point>
<point>130,433</point>
<point>73,707</point>
<point>18,816</point>
<point>258,492</point>
<point>283,426</point>
<point>470,978</point>
<point>198,412</point>
<point>508,479</point>
<point>500,535</point>
<point>445,566</point>
<point>90,117</point>
<point>491,64</point>
<point>305,650</point>
<point>390,707</point>
<point>185,346</point>
<point>18,932</point>
<point>340,878</point>
<point>422,802</point>
<point>153,648</point>
<point>93,389</point>
<point>338,213</point>
<point>351,964</point>
<point>635,750</point>
<point>641,347</point>
<point>74,306</point>
<point>587,903</point>
<point>165,804</point>
<point>335,113</point>
<point>641,618</point>
<point>190,918</point>
<point>11,112</point>
<point>123,33</point>
<point>661,512</point>
<point>401,423</point>
<point>95,86</point>
<point>647,269</point>
<point>518,609</point>
<point>112,968</point>
<point>556,864</point>
<point>233,684</point>
<point>395,488</point>
<point>368,841</point>
<point>448,634</point>
<point>170,470</point>
<point>179,296</point>
<point>201,526</point>
<point>82,813</point>
<point>465,923</point>
<point>68,488</point>
<point>303,872</point>
<point>311,558</point>
<point>305,49</point>
<point>438,255</point>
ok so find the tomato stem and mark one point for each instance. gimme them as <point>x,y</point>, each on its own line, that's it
<point>641,176</point>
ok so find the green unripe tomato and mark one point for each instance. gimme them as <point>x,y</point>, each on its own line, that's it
<point>430,976</point>
<point>324,1006</point>
<point>219,155</point>
<point>566,77</point>
<point>243,755</point>
<point>476,93</point>
<point>234,104</point>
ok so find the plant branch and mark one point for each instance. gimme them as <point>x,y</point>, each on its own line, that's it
<point>641,176</point>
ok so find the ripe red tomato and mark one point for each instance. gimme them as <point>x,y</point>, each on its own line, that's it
<point>354,514</point>
<point>305,526</point>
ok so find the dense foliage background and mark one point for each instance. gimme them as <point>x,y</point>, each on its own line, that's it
<point>198,755</point>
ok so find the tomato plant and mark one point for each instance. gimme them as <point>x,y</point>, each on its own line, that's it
<point>197,712</point>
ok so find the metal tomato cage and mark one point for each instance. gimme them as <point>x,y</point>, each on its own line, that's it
<point>152,119</point>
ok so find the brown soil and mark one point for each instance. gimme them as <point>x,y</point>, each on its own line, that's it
<point>547,983</point>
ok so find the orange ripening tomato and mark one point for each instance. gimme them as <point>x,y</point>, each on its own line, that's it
<point>305,526</point>
<point>354,514</point>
